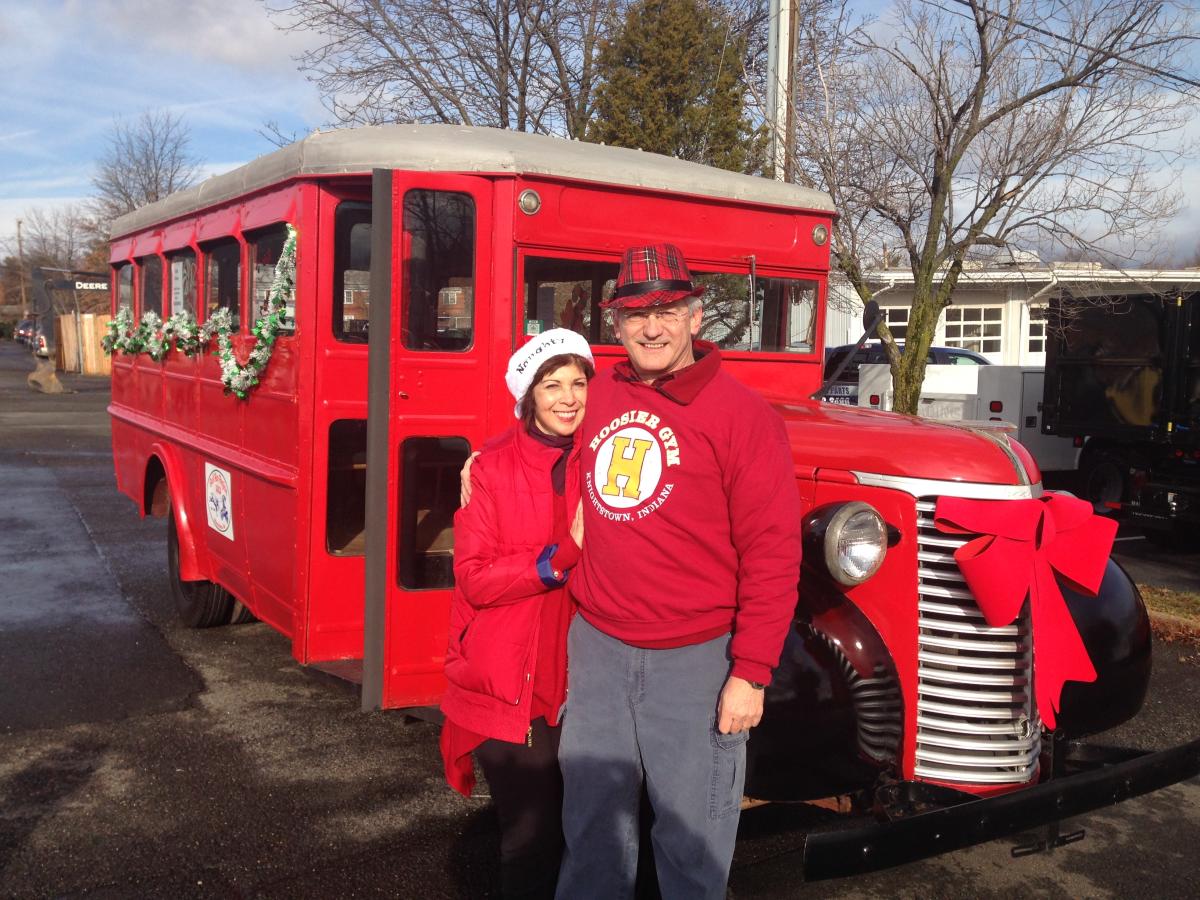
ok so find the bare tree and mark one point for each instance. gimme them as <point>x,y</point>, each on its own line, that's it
<point>274,134</point>
<point>144,160</point>
<point>62,237</point>
<point>526,65</point>
<point>956,129</point>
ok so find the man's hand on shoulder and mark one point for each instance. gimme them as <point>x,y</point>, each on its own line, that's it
<point>740,707</point>
<point>464,480</point>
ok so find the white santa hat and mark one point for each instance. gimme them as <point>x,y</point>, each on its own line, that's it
<point>523,364</point>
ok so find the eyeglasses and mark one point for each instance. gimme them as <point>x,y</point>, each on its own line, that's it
<point>669,317</point>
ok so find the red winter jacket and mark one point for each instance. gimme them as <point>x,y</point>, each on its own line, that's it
<point>504,570</point>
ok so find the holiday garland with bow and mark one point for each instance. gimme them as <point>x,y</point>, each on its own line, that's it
<point>154,337</point>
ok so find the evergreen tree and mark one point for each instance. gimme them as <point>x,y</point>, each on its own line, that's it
<point>671,82</point>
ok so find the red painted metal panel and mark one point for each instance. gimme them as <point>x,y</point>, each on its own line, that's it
<point>337,391</point>
<point>268,524</point>
<point>606,220</point>
<point>147,385</point>
<point>827,435</point>
<point>437,393</point>
<point>179,387</point>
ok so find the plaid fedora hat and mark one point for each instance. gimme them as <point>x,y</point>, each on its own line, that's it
<point>652,276</point>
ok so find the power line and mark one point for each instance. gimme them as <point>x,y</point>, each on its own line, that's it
<point>1152,70</point>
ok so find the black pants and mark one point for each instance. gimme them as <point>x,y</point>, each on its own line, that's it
<point>527,793</point>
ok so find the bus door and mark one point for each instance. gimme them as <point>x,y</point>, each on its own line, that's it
<point>427,400</point>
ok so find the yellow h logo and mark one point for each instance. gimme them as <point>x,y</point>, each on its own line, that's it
<point>629,466</point>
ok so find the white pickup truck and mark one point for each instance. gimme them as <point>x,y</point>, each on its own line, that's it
<point>1011,394</point>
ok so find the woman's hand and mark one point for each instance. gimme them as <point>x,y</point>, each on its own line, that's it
<point>464,480</point>
<point>577,526</point>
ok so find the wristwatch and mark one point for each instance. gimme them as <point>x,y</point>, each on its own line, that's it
<point>757,685</point>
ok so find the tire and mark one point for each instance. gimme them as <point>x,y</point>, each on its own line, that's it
<point>200,604</point>
<point>1103,479</point>
<point>240,614</point>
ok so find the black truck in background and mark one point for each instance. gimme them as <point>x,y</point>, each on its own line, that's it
<point>1123,380</point>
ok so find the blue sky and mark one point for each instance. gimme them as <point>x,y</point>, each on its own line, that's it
<point>70,67</point>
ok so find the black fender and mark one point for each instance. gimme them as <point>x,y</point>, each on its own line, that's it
<point>1115,629</point>
<point>831,720</point>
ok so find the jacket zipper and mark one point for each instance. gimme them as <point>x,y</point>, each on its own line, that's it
<point>529,736</point>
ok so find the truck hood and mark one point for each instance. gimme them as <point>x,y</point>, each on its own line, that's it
<point>847,438</point>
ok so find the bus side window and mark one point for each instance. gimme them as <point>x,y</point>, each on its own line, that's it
<point>788,314</point>
<point>783,319</point>
<point>429,468</point>
<point>223,284</point>
<point>152,284</point>
<point>352,271</point>
<point>181,275</point>
<point>266,246</point>
<point>124,283</point>
<point>566,293</point>
<point>439,275</point>
<point>346,497</point>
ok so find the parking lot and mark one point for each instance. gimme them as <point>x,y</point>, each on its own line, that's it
<point>142,759</point>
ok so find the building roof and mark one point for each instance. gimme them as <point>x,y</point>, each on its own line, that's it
<point>1092,275</point>
<point>458,148</point>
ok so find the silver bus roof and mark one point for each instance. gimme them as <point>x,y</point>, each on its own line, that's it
<point>459,148</point>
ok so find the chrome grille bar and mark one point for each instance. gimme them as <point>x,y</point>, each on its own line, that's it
<point>976,722</point>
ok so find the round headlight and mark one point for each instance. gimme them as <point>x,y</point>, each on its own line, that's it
<point>855,543</point>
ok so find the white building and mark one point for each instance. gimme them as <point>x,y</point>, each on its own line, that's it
<point>997,310</point>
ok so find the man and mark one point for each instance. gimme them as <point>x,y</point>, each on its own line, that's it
<point>686,591</point>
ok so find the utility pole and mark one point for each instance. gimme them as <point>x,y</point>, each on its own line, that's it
<point>21,271</point>
<point>781,51</point>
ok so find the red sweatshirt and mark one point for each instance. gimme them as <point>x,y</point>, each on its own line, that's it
<point>692,515</point>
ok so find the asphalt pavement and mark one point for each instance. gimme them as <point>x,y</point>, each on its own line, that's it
<point>141,759</point>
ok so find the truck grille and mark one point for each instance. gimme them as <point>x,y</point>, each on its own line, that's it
<point>976,723</point>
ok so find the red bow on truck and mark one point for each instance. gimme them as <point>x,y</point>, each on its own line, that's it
<point>1021,546</point>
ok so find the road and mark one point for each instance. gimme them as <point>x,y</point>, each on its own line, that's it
<point>142,759</point>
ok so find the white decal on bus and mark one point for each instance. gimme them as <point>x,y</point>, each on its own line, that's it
<point>218,500</point>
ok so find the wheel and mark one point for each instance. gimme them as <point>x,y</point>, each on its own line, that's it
<point>200,604</point>
<point>240,614</point>
<point>1103,480</point>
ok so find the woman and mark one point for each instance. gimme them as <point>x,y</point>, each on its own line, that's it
<point>506,666</point>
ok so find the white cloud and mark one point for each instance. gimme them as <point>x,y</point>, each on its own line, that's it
<point>14,136</point>
<point>236,33</point>
<point>28,36</point>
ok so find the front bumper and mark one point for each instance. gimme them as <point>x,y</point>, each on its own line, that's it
<point>1108,776</point>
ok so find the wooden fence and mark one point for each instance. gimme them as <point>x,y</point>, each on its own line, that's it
<point>82,345</point>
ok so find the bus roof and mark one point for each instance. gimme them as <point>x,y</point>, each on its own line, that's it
<point>459,148</point>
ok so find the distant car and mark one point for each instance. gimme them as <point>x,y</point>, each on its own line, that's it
<point>38,342</point>
<point>24,331</point>
<point>845,390</point>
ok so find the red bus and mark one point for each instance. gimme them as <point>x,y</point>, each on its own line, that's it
<point>320,499</point>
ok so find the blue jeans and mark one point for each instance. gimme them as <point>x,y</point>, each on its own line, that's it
<point>632,714</point>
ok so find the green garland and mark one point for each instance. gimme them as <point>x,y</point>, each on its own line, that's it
<point>155,337</point>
